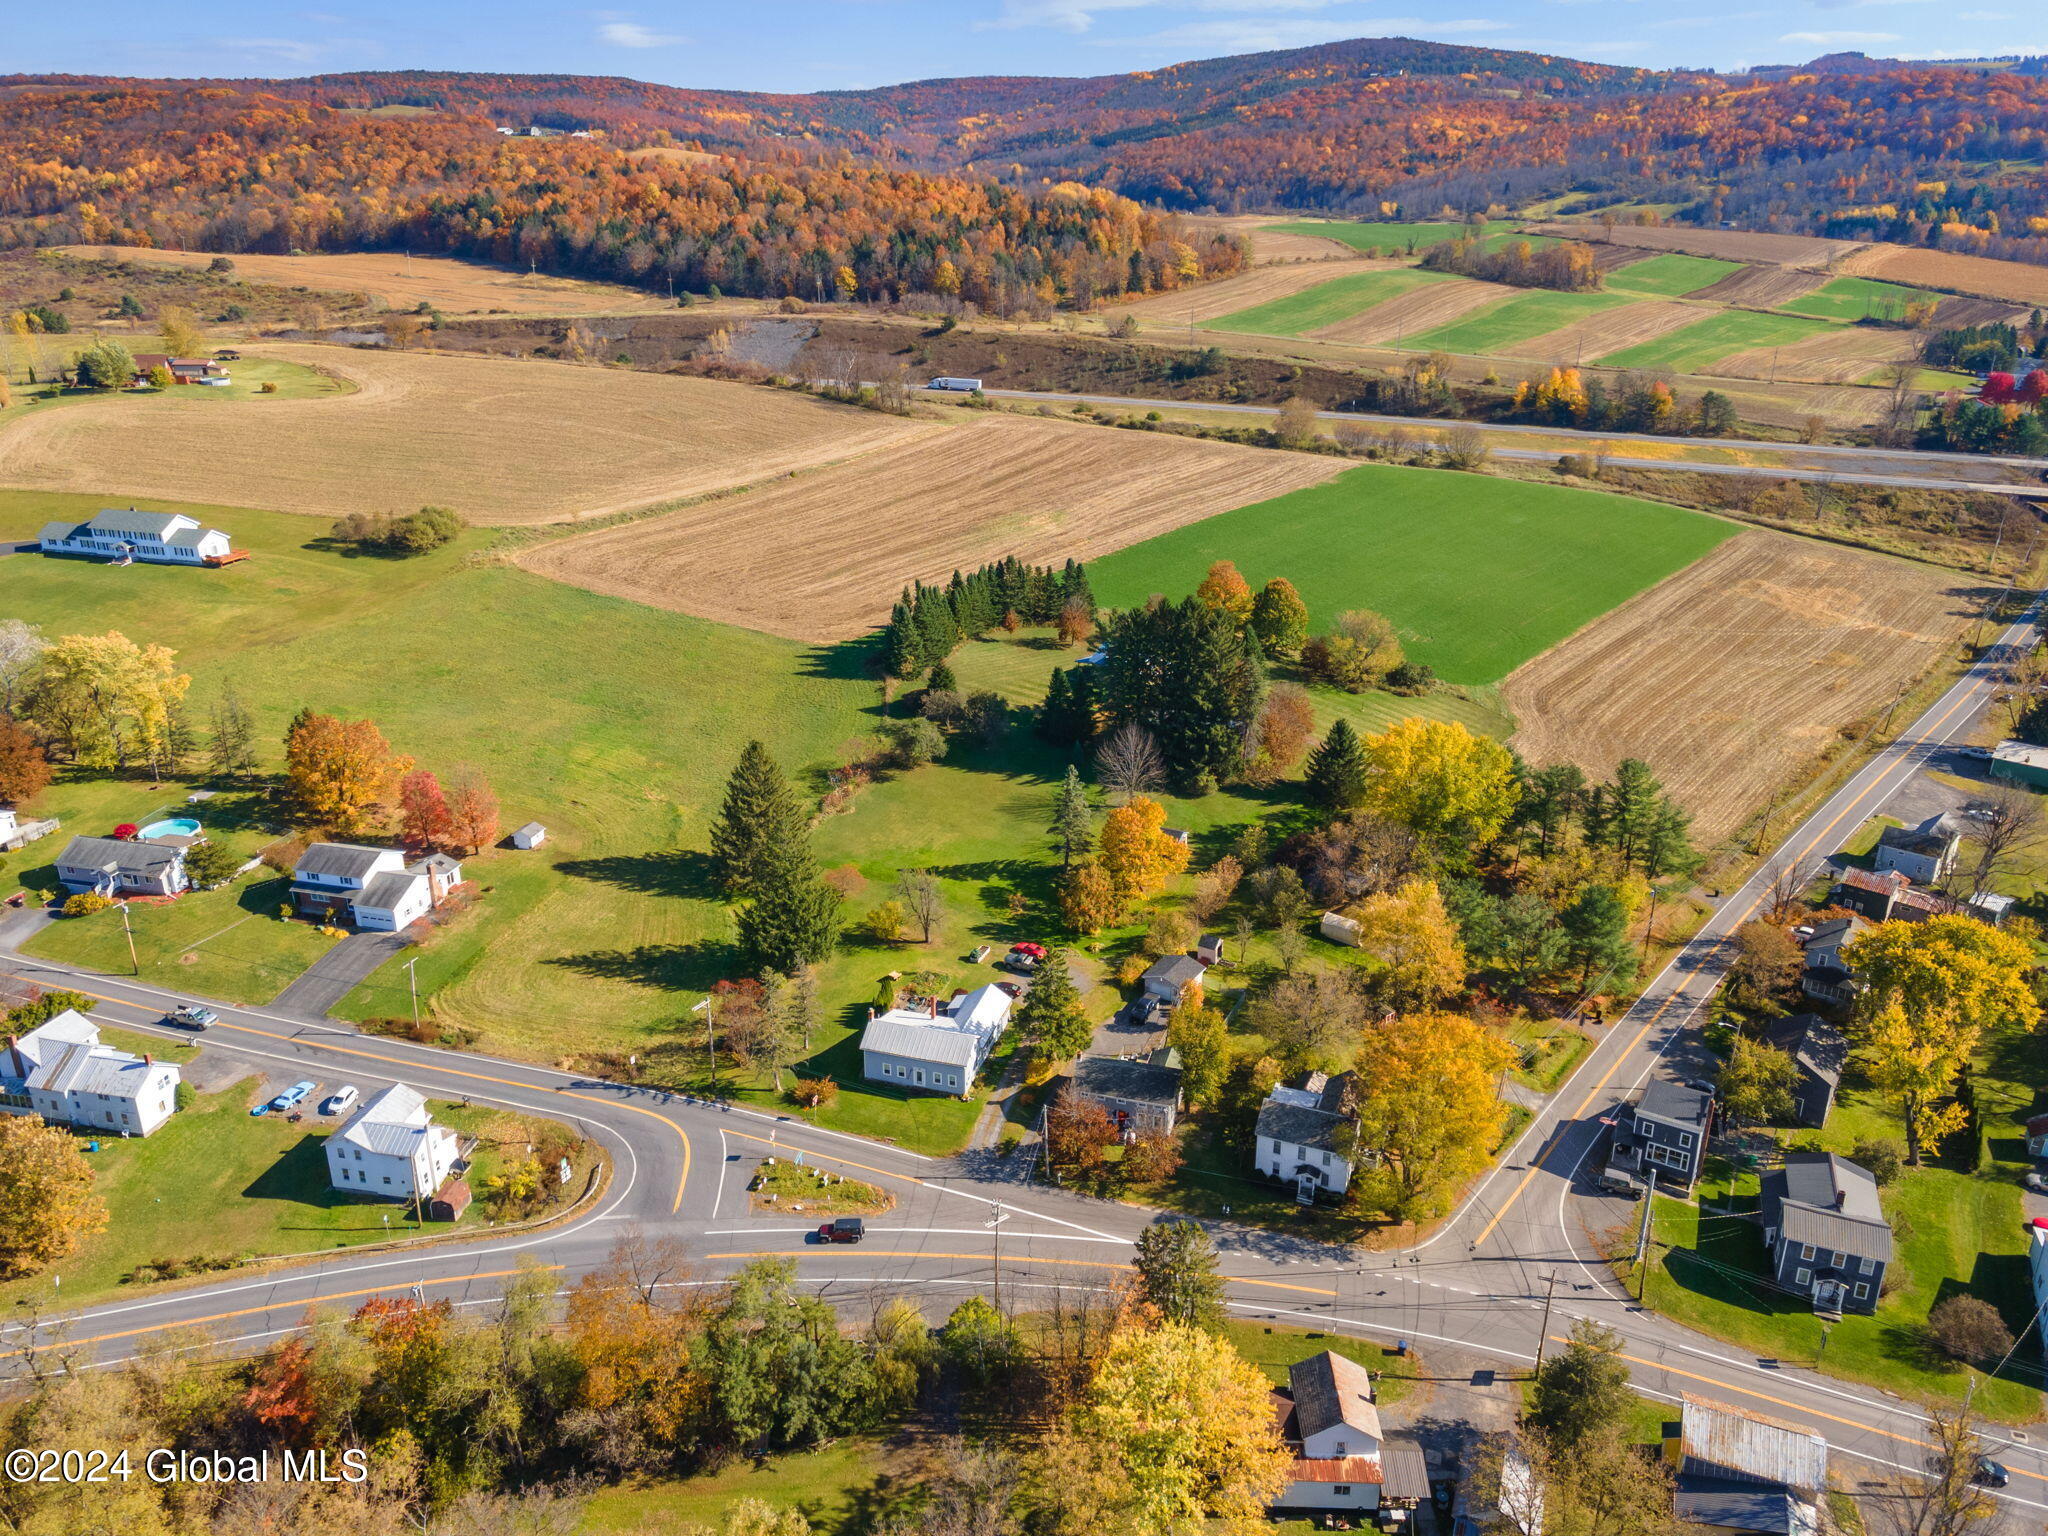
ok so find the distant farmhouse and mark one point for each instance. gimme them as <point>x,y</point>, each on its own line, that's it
<point>938,1049</point>
<point>183,370</point>
<point>373,888</point>
<point>62,1073</point>
<point>157,538</point>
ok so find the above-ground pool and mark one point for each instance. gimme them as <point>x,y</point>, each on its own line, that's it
<point>176,826</point>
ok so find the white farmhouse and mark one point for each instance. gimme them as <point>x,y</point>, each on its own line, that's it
<point>1296,1137</point>
<point>373,888</point>
<point>161,538</point>
<point>62,1073</point>
<point>391,1148</point>
<point>933,1048</point>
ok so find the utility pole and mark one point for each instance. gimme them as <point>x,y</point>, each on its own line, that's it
<point>134,965</point>
<point>995,1226</point>
<point>1643,1239</point>
<point>413,979</point>
<point>1543,1334</point>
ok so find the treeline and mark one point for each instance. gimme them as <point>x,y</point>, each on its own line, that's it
<point>226,170</point>
<point>1980,348</point>
<point>1566,265</point>
<point>928,623</point>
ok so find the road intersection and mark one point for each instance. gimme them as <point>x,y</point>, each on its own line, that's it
<point>1477,1285</point>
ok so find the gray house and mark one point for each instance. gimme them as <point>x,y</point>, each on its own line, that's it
<point>1298,1129</point>
<point>1826,977</point>
<point>106,866</point>
<point>1664,1132</point>
<point>1140,1093</point>
<point>1167,979</point>
<point>1826,1231</point>
<point>1819,1051</point>
<point>1925,854</point>
<point>932,1048</point>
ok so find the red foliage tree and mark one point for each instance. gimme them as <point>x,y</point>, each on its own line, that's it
<point>472,811</point>
<point>424,819</point>
<point>2033,388</point>
<point>24,771</point>
<point>1998,389</point>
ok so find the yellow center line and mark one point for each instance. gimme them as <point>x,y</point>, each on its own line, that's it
<point>1678,992</point>
<point>848,1251</point>
<point>480,1077</point>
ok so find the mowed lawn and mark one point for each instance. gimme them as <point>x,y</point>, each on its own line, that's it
<point>1669,277</point>
<point>1400,239</point>
<point>1478,575</point>
<point>1856,298</point>
<point>1696,348</point>
<point>1327,303</point>
<point>1516,320</point>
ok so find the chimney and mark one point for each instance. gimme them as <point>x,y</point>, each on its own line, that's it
<point>871,1015</point>
<point>934,1007</point>
<point>148,1059</point>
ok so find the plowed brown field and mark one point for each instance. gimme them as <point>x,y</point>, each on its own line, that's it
<point>1954,314</point>
<point>1414,312</point>
<point>1610,330</point>
<point>1846,355</point>
<point>1258,286</point>
<point>1726,244</point>
<point>2017,281</point>
<point>403,282</point>
<point>1762,287</point>
<point>821,557</point>
<point>1731,676</point>
<point>1271,245</point>
<point>499,440</point>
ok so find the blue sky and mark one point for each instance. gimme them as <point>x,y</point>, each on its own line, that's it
<point>835,44</point>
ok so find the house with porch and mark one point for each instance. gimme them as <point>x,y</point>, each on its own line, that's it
<point>1888,896</point>
<point>391,1148</point>
<point>934,1048</point>
<point>1826,1232</point>
<point>107,866</point>
<point>1343,1462</point>
<point>1297,1134</point>
<point>1663,1133</point>
<point>372,888</point>
<point>61,1073</point>
<point>158,538</point>
<point>1139,1093</point>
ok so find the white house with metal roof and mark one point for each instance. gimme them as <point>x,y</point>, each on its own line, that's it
<point>933,1048</point>
<point>391,1148</point>
<point>107,866</point>
<point>62,1073</point>
<point>1297,1135</point>
<point>1328,1419</point>
<point>373,888</point>
<point>161,538</point>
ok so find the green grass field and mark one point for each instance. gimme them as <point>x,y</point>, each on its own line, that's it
<point>1697,347</point>
<point>1478,575</point>
<point>1853,298</point>
<point>1513,321</point>
<point>1399,239</point>
<point>1669,277</point>
<point>1327,303</point>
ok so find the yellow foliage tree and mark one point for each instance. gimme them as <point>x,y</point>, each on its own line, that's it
<point>1135,852</point>
<point>1428,1109</point>
<point>1087,899</point>
<point>946,278</point>
<point>1441,780</point>
<point>343,772</point>
<point>1226,590</point>
<point>46,1196</point>
<point>107,700</point>
<point>179,328</point>
<point>1410,931</point>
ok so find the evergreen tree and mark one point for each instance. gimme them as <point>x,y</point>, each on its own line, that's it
<point>761,814</point>
<point>232,749</point>
<point>938,633</point>
<point>1067,717</point>
<point>1181,672</point>
<point>1073,820</point>
<point>1584,1388</point>
<point>1176,1263</point>
<point>1337,773</point>
<point>1049,1016</point>
<point>942,680</point>
<point>1280,618</point>
<point>793,920</point>
<point>1551,798</point>
<point>902,644</point>
<point>1595,925</point>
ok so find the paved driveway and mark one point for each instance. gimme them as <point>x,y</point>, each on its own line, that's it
<point>334,975</point>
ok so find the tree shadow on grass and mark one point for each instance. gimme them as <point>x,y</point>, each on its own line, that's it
<point>672,967</point>
<point>685,872</point>
<point>846,661</point>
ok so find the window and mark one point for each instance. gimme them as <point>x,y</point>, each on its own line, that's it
<point>1685,1138</point>
<point>920,1074</point>
<point>1804,1277</point>
<point>387,1178</point>
<point>1806,1252</point>
<point>1870,1266</point>
<point>1862,1291</point>
<point>1340,1490</point>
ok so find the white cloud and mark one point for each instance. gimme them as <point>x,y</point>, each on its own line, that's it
<point>287,49</point>
<point>630,34</point>
<point>1839,39</point>
<point>1079,15</point>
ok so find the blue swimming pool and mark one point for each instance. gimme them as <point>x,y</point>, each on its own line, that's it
<point>176,826</point>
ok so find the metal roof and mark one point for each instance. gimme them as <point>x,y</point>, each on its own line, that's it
<point>1405,1470</point>
<point>391,1121</point>
<point>1337,1469</point>
<point>350,861</point>
<point>1817,1044</point>
<point>1307,1116</point>
<point>1825,1200</point>
<point>920,1037</point>
<point>105,853</point>
<point>1743,1507</point>
<point>1719,1441</point>
<point>1330,1391</point>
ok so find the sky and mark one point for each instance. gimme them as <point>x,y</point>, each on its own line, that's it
<point>809,45</point>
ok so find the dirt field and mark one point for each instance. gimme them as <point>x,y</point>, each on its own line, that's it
<point>499,441</point>
<point>1762,287</point>
<point>1736,672</point>
<point>822,556</point>
<point>2017,281</point>
<point>403,282</point>
<point>1609,331</point>
<point>1845,356</point>
<point>1415,312</point>
<point>1727,244</point>
<point>1953,314</point>
<point>1258,286</point>
<point>1272,245</point>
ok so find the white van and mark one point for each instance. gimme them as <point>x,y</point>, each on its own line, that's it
<point>340,1099</point>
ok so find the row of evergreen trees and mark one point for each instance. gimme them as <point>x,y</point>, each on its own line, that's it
<point>929,622</point>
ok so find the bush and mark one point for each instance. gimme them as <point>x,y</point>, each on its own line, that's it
<point>267,387</point>
<point>85,903</point>
<point>813,1092</point>
<point>220,264</point>
<point>1579,464</point>
<point>1169,933</point>
<point>1883,1158</point>
<point>792,305</point>
<point>1968,1329</point>
<point>413,534</point>
<point>185,1095</point>
<point>211,864</point>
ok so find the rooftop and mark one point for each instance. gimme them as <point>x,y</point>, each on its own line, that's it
<point>1176,970</point>
<point>1827,1201</point>
<point>1817,1044</point>
<point>1308,1114</point>
<point>107,853</point>
<point>1720,1441</point>
<point>2022,752</point>
<point>392,1121</point>
<point>1330,1391</point>
<point>348,861</point>
<point>1674,1103</point>
<point>957,1035</point>
<point>1153,1080</point>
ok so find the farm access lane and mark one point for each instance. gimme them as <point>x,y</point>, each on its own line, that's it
<point>1862,466</point>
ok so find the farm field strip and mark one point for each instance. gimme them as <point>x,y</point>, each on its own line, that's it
<point>1720,244</point>
<point>1845,355</point>
<point>1416,312</point>
<point>1762,287</point>
<point>1855,298</point>
<point>2016,281</point>
<point>1697,347</point>
<point>500,441</point>
<point>822,557</point>
<point>1393,239</point>
<point>1730,676</point>
<point>1668,277</point>
<point>1532,313</point>
<point>1247,290</point>
<point>1327,304</point>
<point>1610,330</point>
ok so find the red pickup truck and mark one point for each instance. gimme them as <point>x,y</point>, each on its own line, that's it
<point>846,1229</point>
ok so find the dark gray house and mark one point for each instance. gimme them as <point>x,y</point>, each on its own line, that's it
<point>1665,1132</point>
<point>1826,978</point>
<point>1819,1051</point>
<point>1140,1093</point>
<point>1826,1231</point>
<point>1166,979</point>
<point>106,866</point>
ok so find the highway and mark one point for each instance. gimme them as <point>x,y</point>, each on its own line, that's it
<point>1477,1285</point>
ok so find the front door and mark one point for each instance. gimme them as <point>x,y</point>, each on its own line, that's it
<point>1827,1295</point>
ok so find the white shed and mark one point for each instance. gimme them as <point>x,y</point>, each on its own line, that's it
<point>532,835</point>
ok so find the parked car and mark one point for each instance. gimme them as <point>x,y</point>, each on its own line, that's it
<point>843,1229</point>
<point>1981,753</point>
<point>287,1100</point>
<point>1990,1474</point>
<point>340,1099</point>
<point>2036,1183</point>
<point>1024,958</point>
<point>191,1016</point>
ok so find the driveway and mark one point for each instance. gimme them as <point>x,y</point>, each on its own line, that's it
<point>335,974</point>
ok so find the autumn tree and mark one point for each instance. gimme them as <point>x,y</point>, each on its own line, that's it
<point>343,773</point>
<point>423,817</point>
<point>1357,654</point>
<point>760,813</point>
<point>1452,787</point>
<point>47,1202</point>
<point>1226,591</point>
<point>922,898</point>
<point>106,364</point>
<point>1757,1085</point>
<point>1078,1136</point>
<point>1177,1274</point>
<point>1286,724</point>
<point>1201,1036</point>
<point>179,328</point>
<point>1413,937</point>
<point>1280,619</point>
<point>1135,852</point>
<point>1314,1019</point>
<point>1088,900</point>
<point>1766,963</point>
<point>24,770</point>
<point>21,650</point>
<point>1428,1109</point>
<point>105,700</point>
<point>1214,887</point>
